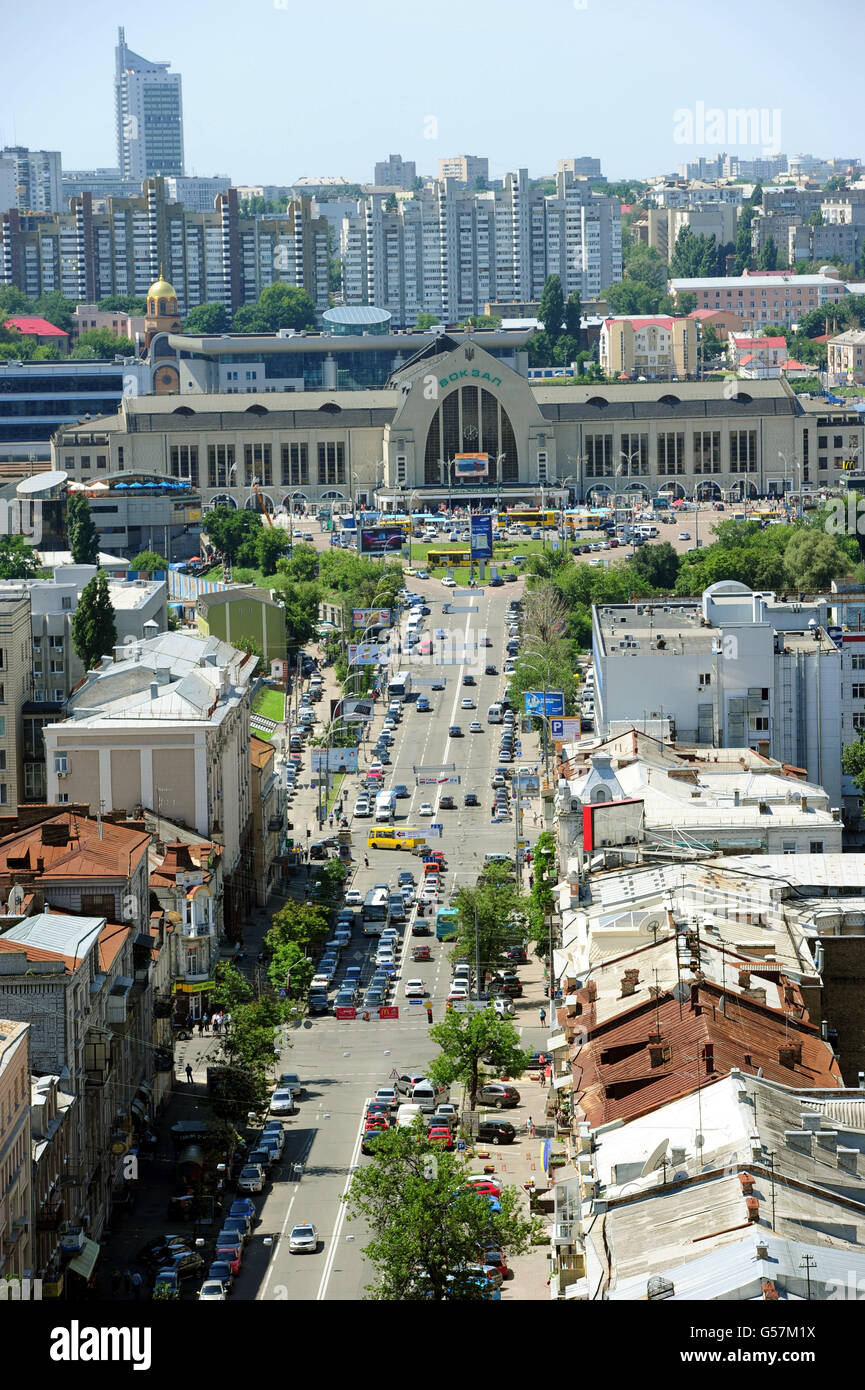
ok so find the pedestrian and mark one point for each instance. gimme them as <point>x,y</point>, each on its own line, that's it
<point>201,1023</point>
<point>528,1125</point>
<point>531,881</point>
<point>542,1064</point>
<point>127,1280</point>
<point>366,861</point>
<point>330,820</point>
<point>542,1015</point>
<point>136,1284</point>
<point>227,1022</point>
<point>213,1022</point>
<point>533,1128</point>
<point>189,1073</point>
<point>116,1281</point>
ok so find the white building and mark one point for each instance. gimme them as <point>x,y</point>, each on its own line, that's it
<point>149,115</point>
<point>732,668</point>
<point>38,179</point>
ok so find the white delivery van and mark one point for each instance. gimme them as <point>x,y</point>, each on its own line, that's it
<point>385,807</point>
<point>406,1114</point>
<point>494,714</point>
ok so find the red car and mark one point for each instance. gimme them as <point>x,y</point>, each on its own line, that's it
<point>375,1122</point>
<point>421,953</point>
<point>493,1257</point>
<point>440,1134</point>
<point>484,1185</point>
<point>230,1254</point>
<point>487,642</point>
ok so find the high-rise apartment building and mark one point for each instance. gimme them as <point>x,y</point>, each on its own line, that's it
<point>451,249</point>
<point>214,257</point>
<point>465,168</point>
<point>149,115</point>
<point>15,674</point>
<point>395,172</point>
<point>38,179</point>
<point>584,167</point>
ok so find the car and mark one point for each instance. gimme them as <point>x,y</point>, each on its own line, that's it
<point>282,1102</point>
<point>317,1002</point>
<point>406,1083</point>
<point>510,578</point>
<point>447,803</point>
<point>405,876</point>
<point>470,799</point>
<point>188,1264</point>
<point>517,954</point>
<point>498,1094</point>
<point>420,927</point>
<point>503,1006</point>
<point>512,988</point>
<point>421,574</point>
<point>445,1114</point>
<point>373,999</point>
<point>369,1139</point>
<point>152,1252</point>
<point>491,670</point>
<point>303,1239</point>
<point>519,559</point>
<point>492,1258</point>
<point>468,679</point>
<point>423,704</point>
<point>362,807</point>
<point>458,991</point>
<point>414,989</point>
<point>467,703</point>
<point>212,1291</point>
<point>385,740</point>
<point>684,535</point>
<point>419,953</point>
<point>400,791</point>
<point>449,583</point>
<point>231,1252</point>
<point>425,809</point>
<point>496,1132</point>
<point>454,731</point>
<point>441,1134</point>
<point>479,1182</point>
<point>437,683</point>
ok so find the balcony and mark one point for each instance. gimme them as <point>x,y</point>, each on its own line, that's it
<point>567,1232</point>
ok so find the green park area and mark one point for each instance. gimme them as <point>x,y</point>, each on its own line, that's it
<point>270,704</point>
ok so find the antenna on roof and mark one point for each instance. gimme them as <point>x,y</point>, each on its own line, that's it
<point>101,808</point>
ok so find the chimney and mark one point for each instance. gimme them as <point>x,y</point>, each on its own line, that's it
<point>736,797</point>
<point>709,1055</point>
<point>592,991</point>
<point>40,864</point>
<point>658,1054</point>
<point>154,690</point>
<point>746,1060</point>
<point>790,1055</point>
<point>803,803</point>
<point>629,985</point>
<point>744,979</point>
<point>768,1289</point>
<point>762,1252</point>
<point>747,1180</point>
<point>752,1206</point>
<point>695,999</point>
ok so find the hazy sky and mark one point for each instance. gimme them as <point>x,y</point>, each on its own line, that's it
<point>276,89</point>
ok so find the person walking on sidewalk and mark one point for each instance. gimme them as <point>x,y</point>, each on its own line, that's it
<point>542,1015</point>
<point>189,1073</point>
<point>137,1281</point>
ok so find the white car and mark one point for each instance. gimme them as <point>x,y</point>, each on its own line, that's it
<point>354,898</point>
<point>684,535</point>
<point>458,992</point>
<point>414,989</point>
<point>282,1103</point>
<point>303,1239</point>
<point>407,891</point>
<point>320,982</point>
<point>425,809</point>
<point>212,1291</point>
<point>449,583</point>
<point>475,727</point>
<point>422,574</point>
<point>429,895</point>
<point>504,1007</point>
<point>467,703</point>
<point>362,807</point>
<point>251,1178</point>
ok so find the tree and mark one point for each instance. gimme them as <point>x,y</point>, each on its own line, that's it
<point>572,316</point>
<point>301,565</point>
<point>13,301</point>
<point>742,244</point>
<point>853,760</point>
<point>541,903</point>
<point>812,560</point>
<point>81,530</point>
<point>658,564</point>
<point>207,319</point>
<point>426,1225</point>
<point>249,1048</point>
<point>540,349</point>
<point>485,920</point>
<point>231,989</point>
<point>278,306</point>
<point>101,345</point>
<point>694,256</point>
<point>465,1040</point>
<point>768,257</point>
<point>147,561</point>
<point>123,304</point>
<point>18,559</point>
<point>635,297</point>
<point>250,645</point>
<point>306,924</point>
<point>291,963</point>
<point>229,527</point>
<point>56,310</point>
<point>391,203</point>
<point>551,310</point>
<point>301,604</point>
<point>94,632</point>
<point>544,615</point>
<point>425,321</point>
<point>271,543</point>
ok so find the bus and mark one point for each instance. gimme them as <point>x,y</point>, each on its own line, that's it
<point>375,912</point>
<point>399,686</point>
<point>446,923</point>
<point>448,557</point>
<point>395,837</point>
<point>587,518</point>
<point>530,516</point>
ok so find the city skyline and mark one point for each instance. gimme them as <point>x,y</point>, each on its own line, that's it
<point>398,67</point>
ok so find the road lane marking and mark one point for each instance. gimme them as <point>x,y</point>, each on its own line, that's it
<point>278,1241</point>
<point>334,1240</point>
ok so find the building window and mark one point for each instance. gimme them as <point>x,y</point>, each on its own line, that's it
<point>816,847</point>
<point>400,470</point>
<point>2,759</point>
<point>220,465</point>
<point>822,463</point>
<point>66,604</point>
<point>788,847</point>
<point>671,454</point>
<point>634,451</point>
<point>764,692</point>
<point>120,456</point>
<point>4,794</point>
<point>859,721</point>
<point>101,461</point>
<point>858,663</point>
<point>257,464</point>
<point>58,696</point>
<point>295,465</point>
<point>331,463</point>
<point>743,451</point>
<point>62,798</point>
<point>85,461</point>
<point>758,723</point>
<point>2,726</point>
<point>859,692</point>
<point>707,451</point>
<point>183,462</point>
<point>542,465</point>
<point>599,456</point>
<point>61,765</point>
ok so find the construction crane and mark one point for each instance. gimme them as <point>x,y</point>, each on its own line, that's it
<point>261,507</point>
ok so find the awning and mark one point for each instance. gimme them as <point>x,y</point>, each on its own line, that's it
<point>561,1082</point>
<point>139,1109</point>
<point>85,1263</point>
<point>180,987</point>
<point>560,1040</point>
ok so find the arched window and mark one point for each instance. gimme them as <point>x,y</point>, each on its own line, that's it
<point>467,424</point>
<point>600,794</point>
<point>162,306</point>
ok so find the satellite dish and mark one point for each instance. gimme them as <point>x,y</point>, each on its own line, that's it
<point>15,901</point>
<point>653,924</point>
<point>655,1159</point>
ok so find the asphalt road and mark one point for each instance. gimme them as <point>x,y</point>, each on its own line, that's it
<point>342,1063</point>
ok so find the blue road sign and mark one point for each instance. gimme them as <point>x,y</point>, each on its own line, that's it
<point>551,702</point>
<point>461,1143</point>
<point>482,537</point>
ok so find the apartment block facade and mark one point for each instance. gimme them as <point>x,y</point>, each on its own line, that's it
<point>16,1224</point>
<point>15,677</point>
<point>38,176</point>
<point>148,106</point>
<point>213,256</point>
<point>658,346</point>
<point>763,300</point>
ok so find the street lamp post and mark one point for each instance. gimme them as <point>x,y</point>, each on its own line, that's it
<point>544,725</point>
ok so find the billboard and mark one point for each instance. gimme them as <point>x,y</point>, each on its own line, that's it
<point>379,540</point>
<point>363,653</point>
<point>357,709</point>
<point>482,537</point>
<point>471,465</point>
<point>540,702</point>
<point>370,617</point>
<point>566,730</point>
<point>336,759</point>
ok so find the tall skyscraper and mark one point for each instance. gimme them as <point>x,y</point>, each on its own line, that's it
<point>149,114</point>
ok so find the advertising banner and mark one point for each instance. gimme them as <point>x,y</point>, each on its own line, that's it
<point>367,617</point>
<point>336,759</point>
<point>551,702</point>
<point>482,537</point>
<point>357,709</point>
<point>565,729</point>
<point>346,1013</point>
<point>471,465</point>
<point>380,540</point>
<point>363,653</point>
<point>388,1012</point>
